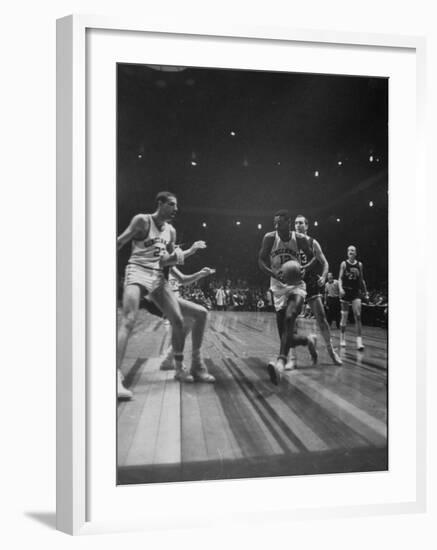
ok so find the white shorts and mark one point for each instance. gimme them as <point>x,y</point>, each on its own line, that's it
<point>282,293</point>
<point>149,278</point>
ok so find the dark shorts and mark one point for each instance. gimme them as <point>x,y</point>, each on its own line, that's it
<point>313,288</point>
<point>146,304</point>
<point>152,308</point>
<point>350,295</point>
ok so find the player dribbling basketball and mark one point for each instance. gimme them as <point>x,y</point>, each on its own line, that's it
<point>278,247</point>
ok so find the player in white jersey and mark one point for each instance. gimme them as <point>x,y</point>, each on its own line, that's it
<point>195,315</point>
<point>278,247</point>
<point>153,249</point>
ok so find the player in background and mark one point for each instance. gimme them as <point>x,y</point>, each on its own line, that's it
<point>195,319</point>
<point>153,248</point>
<point>316,269</point>
<point>332,300</point>
<point>351,283</point>
<point>278,247</point>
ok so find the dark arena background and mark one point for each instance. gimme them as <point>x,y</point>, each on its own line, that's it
<point>236,146</point>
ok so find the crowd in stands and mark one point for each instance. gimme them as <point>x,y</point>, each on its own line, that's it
<point>227,295</point>
<point>237,295</point>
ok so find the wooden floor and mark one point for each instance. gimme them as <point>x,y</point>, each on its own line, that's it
<point>322,419</point>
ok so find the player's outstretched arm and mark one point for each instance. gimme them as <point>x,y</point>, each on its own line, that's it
<point>197,245</point>
<point>176,256</point>
<point>138,227</point>
<point>264,254</point>
<point>193,277</point>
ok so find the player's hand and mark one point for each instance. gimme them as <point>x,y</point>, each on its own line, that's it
<point>302,272</point>
<point>207,271</point>
<point>198,245</point>
<point>322,280</point>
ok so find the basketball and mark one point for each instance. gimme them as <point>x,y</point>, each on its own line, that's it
<point>291,272</point>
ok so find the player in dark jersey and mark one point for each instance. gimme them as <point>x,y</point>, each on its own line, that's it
<point>316,268</point>
<point>351,283</point>
<point>278,247</point>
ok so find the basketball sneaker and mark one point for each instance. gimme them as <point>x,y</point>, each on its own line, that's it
<point>276,370</point>
<point>122,393</point>
<point>183,375</point>
<point>312,343</point>
<point>168,361</point>
<point>342,341</point>
<point>334,356</point>
<point>200,373</point>
<point>360,345</point>
<point>291,364</point>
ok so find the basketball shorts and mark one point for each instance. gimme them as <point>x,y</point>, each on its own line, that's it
<point>152,308</point>
<point>282,293</point>
<point>350,295</point>
<point>147,278</point>
<point>313,288</point>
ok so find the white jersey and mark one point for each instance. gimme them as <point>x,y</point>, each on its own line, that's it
<point>147,252</point>
<point>281,252</point>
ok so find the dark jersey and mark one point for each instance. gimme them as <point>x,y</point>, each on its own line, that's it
<point>306,254</point>
<point>351,276</point>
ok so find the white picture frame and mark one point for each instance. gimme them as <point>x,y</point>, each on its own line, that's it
<point>74,461</point>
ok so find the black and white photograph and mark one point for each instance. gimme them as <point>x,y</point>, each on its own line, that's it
<point>252,273</point>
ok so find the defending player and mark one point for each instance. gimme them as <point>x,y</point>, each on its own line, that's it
<point>351,283</point>
<point>195,319</point>
<point>316,269</point>
<point>280,246</point>
<point>153,249</point>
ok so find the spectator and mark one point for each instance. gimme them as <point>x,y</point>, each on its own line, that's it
<point>220,299</point>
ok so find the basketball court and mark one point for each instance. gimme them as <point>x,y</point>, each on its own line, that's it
<point>321,419</point>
